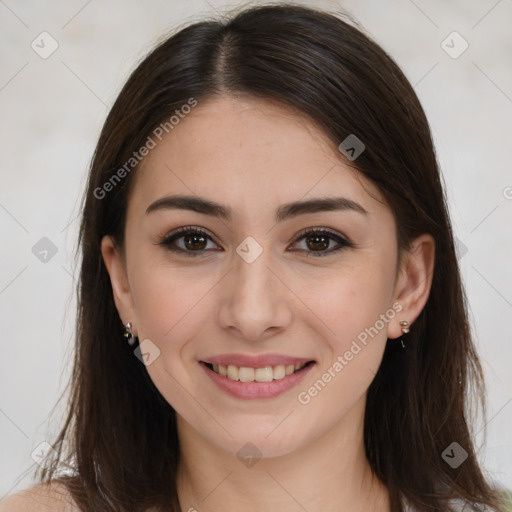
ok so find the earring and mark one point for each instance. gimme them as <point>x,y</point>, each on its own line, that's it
<point>405,330</point>
<point>128,334</point>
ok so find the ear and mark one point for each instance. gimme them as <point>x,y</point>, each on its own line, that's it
<point>119,280</point>
<point>412,287</point>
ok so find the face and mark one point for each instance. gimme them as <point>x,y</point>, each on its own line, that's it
<point>255,285</point>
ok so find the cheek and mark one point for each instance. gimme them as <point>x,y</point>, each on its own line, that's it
<point>357,312</point>
<point>170,306</point>
<point>169,302</point>
<point>349,300</point>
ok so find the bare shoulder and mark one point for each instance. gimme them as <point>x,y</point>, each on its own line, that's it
<point>40,498</point>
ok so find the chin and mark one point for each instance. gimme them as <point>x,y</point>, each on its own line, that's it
<point>255,443</point>
<point>249,450</point>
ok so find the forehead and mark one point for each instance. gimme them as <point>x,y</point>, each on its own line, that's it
<point>250,153</point>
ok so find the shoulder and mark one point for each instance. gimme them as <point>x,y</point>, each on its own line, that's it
<point>40,498</point>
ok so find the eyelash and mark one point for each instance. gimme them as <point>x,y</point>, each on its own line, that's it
<point>192,230</point>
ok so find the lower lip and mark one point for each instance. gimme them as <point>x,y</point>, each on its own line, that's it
<point>257,390</point>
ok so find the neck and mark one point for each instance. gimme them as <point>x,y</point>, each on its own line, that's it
<point>330,473</point>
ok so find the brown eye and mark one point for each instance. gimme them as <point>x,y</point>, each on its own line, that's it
<point>191,241</point>
<point>318,242</point>
<point>188,241</point>
<point>194,241</point>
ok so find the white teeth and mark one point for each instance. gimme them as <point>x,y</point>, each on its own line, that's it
<point>265,374</point>
<point>246,374</point>
<point>279,371</point>
<point>232,372</point>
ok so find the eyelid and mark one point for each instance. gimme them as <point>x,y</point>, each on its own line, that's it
<point>187,229</point>
<point>311,230</point>
<point>181,231</point>
<point>342,241</point>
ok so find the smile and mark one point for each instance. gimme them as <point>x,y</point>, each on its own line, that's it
<point>264,374</point>
<point>260,378</point>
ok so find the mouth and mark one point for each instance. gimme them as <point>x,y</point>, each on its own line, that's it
<point>256,376</point>
<point>261,374</point>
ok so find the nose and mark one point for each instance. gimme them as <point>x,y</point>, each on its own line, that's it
<point>255,303</point>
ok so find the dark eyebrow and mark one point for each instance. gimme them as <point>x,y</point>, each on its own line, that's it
<point>286,211</point>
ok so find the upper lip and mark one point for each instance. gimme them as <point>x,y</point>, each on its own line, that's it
<point>259,361</point>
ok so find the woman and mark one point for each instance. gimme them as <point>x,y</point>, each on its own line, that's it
<point>271,314</point>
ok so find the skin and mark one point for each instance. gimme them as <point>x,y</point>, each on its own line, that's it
<point>252,156</point>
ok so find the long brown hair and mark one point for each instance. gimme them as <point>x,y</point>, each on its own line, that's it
<point>120,434</point>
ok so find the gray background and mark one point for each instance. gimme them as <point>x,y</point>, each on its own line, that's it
<point>52,110</point>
